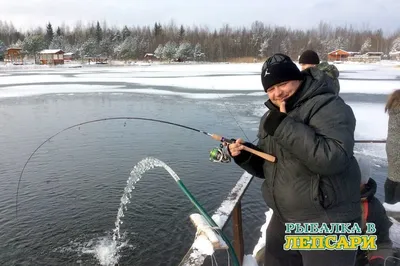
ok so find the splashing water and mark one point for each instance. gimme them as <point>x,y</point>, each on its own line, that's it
<point>135,176</point>
<point>106,249</point>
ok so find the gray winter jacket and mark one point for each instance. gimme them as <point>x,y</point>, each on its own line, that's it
<point>316,177</point>
<point>393,145</point>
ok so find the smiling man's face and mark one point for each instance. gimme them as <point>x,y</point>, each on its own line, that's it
<point>282,91</point>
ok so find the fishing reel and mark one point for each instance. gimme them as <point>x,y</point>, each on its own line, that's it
<point>219,155</point>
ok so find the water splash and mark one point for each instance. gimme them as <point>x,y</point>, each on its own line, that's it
<point>107,249</point>
<point>103,249</point>
<point>135,176</point>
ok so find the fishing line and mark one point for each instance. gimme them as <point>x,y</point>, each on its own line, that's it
<point>223,103</point>
<point>214,136</point>
<point>95,121</point>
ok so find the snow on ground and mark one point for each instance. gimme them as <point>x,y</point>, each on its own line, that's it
<point>35,90</point>
<point>203,77</point>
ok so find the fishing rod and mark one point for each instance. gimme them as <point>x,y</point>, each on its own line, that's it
<point>215,154</point>
<point>218,155</point>
<point>222,139</point>
<point>370,141</point>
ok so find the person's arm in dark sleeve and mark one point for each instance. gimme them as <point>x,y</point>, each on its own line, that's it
<point>251,163</point>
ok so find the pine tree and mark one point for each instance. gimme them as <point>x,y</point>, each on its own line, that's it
<point>125,33</point>
<point>157,29</point>
<point>181,33</point>
<point>49,34</point>
<point>99,33</point>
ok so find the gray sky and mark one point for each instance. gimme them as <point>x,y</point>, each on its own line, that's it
<point>301,14</point>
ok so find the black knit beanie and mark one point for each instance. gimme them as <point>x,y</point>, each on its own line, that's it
<point>279,68</point>
<point>309,57</point>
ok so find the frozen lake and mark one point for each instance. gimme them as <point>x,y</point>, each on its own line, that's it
<point>70,192</point>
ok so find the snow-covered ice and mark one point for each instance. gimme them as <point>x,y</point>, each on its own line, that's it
<point>203,78</point>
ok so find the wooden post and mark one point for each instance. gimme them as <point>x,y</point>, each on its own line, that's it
<point>238,232</point>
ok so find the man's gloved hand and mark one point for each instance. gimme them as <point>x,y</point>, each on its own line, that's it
<point>273,120</point>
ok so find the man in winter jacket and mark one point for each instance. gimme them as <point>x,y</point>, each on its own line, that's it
<point>374,212</point>
<point>309,58</point>
<point>315,179</point>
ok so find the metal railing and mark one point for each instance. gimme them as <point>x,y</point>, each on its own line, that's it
<point>231,206</point>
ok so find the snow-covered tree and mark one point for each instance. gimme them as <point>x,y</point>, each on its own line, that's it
<point>59,42</point>
<point>366,47</point>
<point>286,46</point>
<point>341,43</point>
<point>33,44</point>
<point>184,51</point>
<point>257,33</point>
<point>17,44</point>
<point>117,37</point>
<point>142,46</point>
<point>89,48</point>
<point>169,50</point>
<point>2,48</point>
<point>128,48</point>
<point>198,53</point>
<point>125,33</point>
<point>106,47</point>
<point>264,48</point>
<point>396,45</point>
<point>159,51</point>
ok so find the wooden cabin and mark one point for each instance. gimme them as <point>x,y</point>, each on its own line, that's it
<point>149,57</point>
<point>14,56</point>
<point>98,60</point>
<point>51,57</point>
<point>338,55</point>
<point>354,53</point>
<point>394,56</point>
<point>376,54</point>
<point>69,57</point>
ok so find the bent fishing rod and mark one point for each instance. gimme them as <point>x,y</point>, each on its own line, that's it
<point>224,140</point>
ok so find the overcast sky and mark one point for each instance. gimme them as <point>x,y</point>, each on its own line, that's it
<point>383,14</point>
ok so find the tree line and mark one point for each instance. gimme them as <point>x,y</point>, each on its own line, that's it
<point>171,41</point>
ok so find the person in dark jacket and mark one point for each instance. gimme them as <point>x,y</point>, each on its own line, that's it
<point>373,212</point>
<point>309,58</point>
<point>316,178</point>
